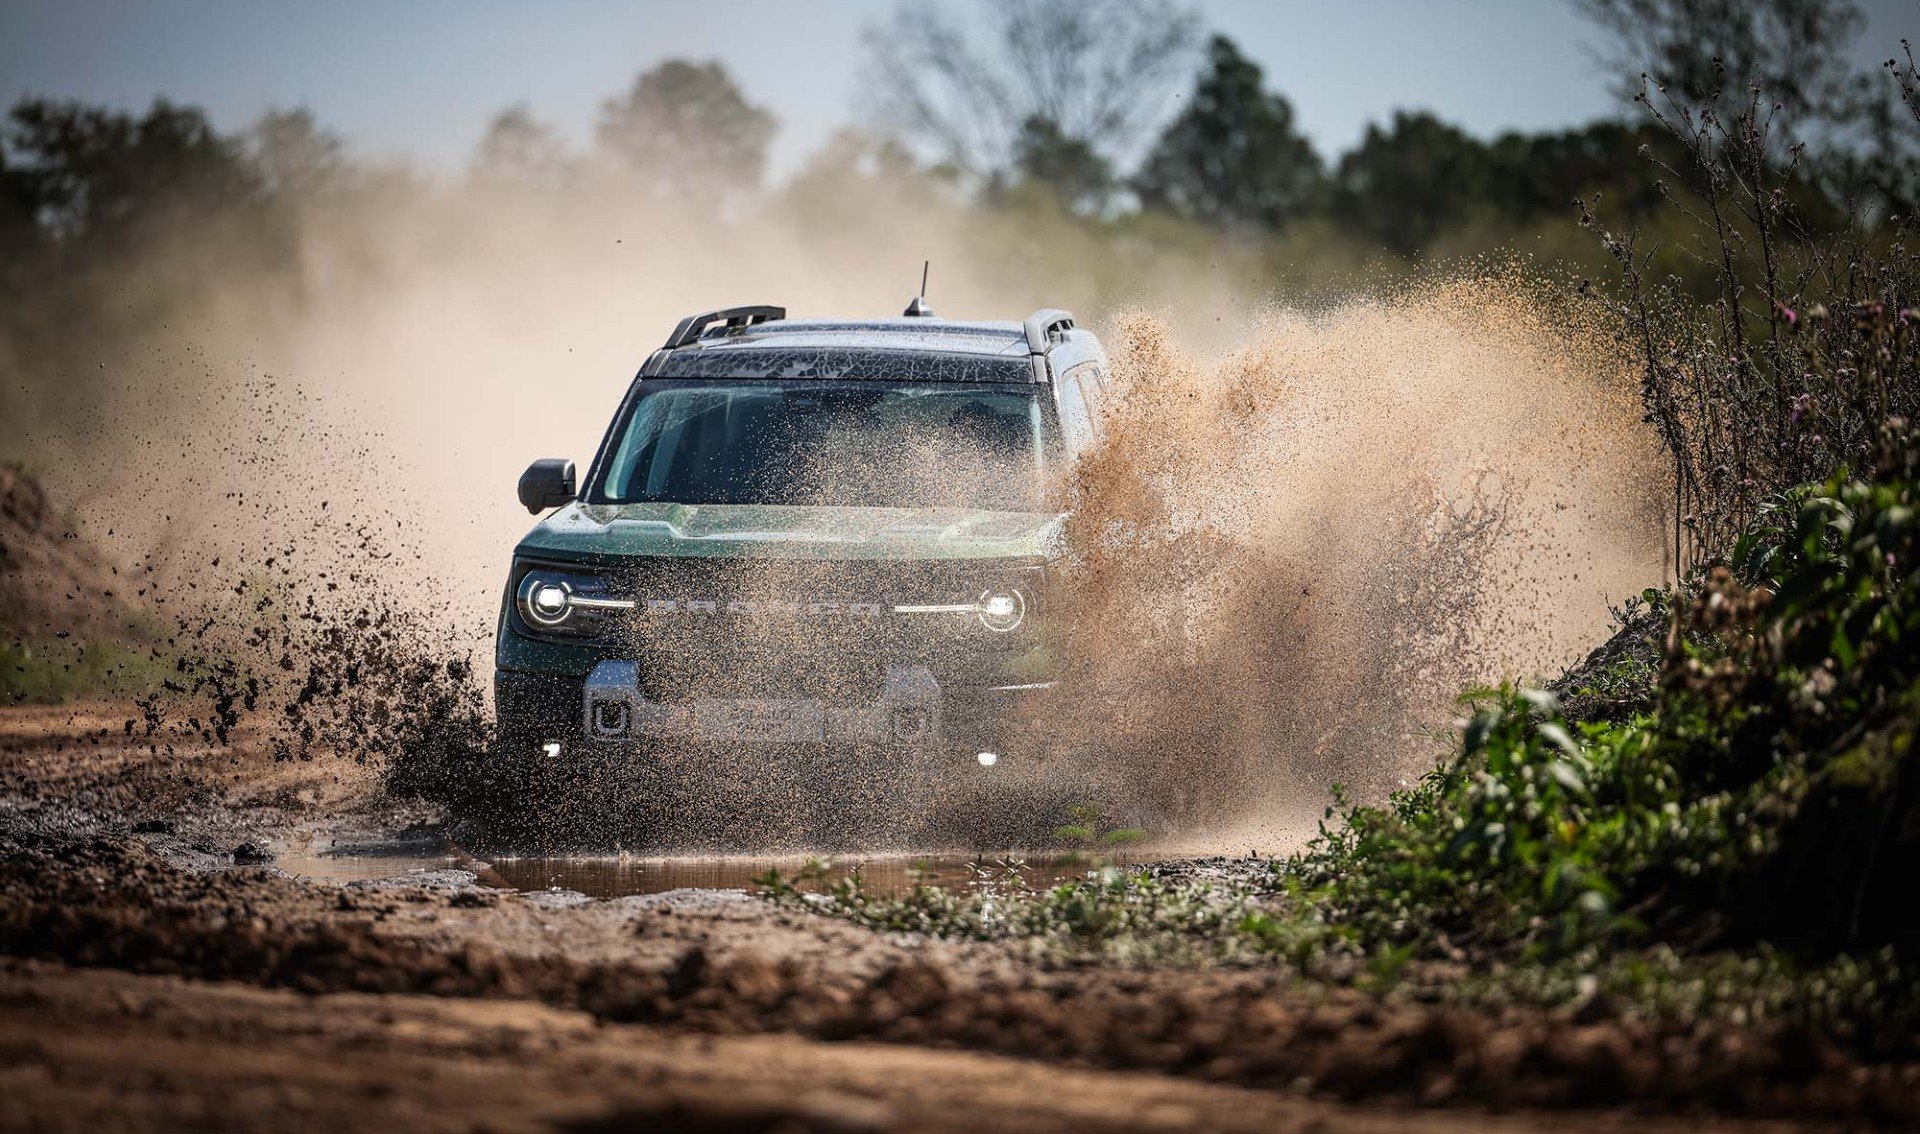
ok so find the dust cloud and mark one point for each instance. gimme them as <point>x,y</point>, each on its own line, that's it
<point>1306,530</point>
<point>432,339</point>
<point>1292,555</point>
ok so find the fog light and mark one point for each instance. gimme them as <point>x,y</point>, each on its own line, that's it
<point>551,749</point>
<point>988,759</point>
<point>1001,611</point>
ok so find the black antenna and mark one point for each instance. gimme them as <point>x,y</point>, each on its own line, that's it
<point>918,308</point>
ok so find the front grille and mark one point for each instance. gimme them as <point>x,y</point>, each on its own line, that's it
<point>879,580</point>
<point>778,628</point>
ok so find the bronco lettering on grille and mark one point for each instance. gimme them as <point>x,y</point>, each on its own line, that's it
<point>776,608</point>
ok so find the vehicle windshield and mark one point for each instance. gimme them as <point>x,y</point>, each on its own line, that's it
<point>846,443</point>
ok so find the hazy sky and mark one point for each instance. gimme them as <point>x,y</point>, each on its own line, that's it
<point>420,78</point>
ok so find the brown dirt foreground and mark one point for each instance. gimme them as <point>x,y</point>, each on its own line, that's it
<point>149,982</point>
<point>106,1050</point>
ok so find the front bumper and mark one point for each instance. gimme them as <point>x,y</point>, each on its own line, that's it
<point>913,709</point>
<point>907,711</point>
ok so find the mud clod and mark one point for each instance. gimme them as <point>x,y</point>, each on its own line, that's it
<point>247,854</point>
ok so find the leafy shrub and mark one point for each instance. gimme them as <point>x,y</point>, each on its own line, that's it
<point>1620,678</point>
<point>1771,794</point>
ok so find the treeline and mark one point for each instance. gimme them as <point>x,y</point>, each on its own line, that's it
<point>996,121</point>
<point>1759,184</point>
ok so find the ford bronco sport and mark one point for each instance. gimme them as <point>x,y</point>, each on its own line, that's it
<point>797,536</point>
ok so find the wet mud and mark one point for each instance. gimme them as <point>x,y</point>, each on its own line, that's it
<point>118,881</point>
<point>619,876</point>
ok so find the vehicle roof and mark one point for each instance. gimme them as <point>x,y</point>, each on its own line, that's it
<point>945,336</point>
<point>914,349</point>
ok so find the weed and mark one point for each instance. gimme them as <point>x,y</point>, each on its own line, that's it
<point>1808,343</point>
<point>1087,828</point>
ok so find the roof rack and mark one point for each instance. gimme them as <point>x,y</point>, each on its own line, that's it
<point>1043,324</point>
<point>693,326</point>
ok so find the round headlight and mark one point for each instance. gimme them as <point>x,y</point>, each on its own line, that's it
<point>562,603</point>
<point>1001,611</point>
<point>546,602</point>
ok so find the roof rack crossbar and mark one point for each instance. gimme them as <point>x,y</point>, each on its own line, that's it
<point>692,326</point>
<point>1043,324</point>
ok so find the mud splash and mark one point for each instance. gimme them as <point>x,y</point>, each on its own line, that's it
<point>1286,558</point>
<point>1291,557</point>
<point>1308,530</point>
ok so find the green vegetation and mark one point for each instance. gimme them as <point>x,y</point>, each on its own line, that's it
<point>1111,916</point>
<point>1087,828</point>
<point>1764,799</point>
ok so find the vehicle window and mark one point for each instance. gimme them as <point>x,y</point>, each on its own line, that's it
<point>856,443</point>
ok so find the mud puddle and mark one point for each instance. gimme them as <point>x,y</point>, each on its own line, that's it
<point>616,876</point>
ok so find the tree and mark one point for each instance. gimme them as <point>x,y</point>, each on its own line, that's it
<point>685,129</point>
<point>1233,158</point>
<point>1795,50</point>
<point>1531,175</point>
<point>1405,184</point>
<point>1068,167</point>
<point>1096,74</point>
<point>90,170</point>
<point>519,149</point>
<point>19,226</point>
<point>294,155</point>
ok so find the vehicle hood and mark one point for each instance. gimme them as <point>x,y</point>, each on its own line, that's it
<point>777,531</point>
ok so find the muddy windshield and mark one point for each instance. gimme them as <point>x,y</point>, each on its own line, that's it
<point>851,444</point>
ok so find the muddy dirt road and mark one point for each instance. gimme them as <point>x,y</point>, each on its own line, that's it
<point>159,971</point>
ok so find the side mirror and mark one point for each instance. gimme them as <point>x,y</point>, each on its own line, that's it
<point>547,483</point>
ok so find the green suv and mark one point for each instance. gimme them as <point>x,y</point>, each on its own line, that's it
<point>800,539</point>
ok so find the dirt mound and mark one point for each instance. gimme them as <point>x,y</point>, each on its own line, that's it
<point>53,582</point>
